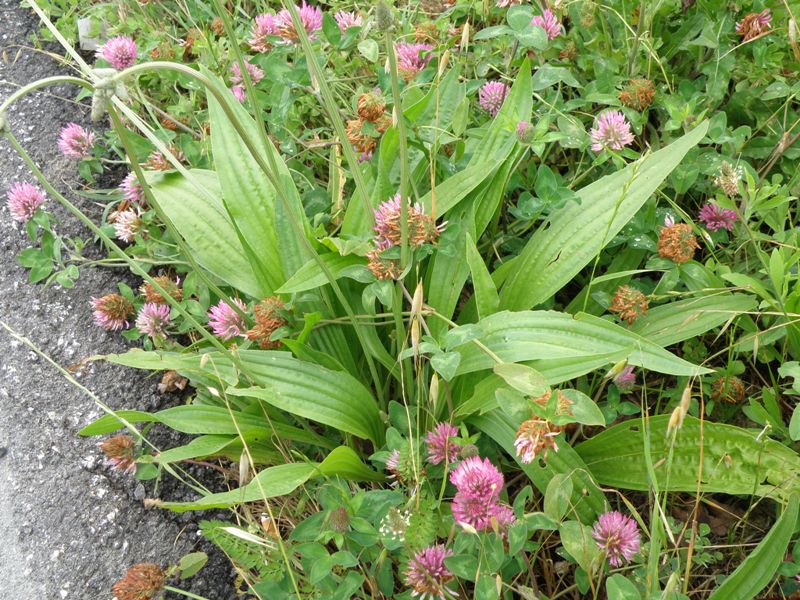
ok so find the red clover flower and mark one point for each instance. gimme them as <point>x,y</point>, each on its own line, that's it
<point>440,447</point>
<point>120,52</point>
<point>224,321</point>
<point>22,200</point>
<point>611,130</point>
<point>618,536</point>
<point>428,575</point>
<point>74,141</point>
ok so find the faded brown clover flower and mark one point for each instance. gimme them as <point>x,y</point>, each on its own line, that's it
<point>268,319</point>
<point>677,243</point>
<point>638,94</point>
<point>628,304</point>
<point>120,452</point>
<point>728,179</point>
<point>158,162</point>
<point>370,106</point>
<point>728,388</point>
<point>170,285</point>
<point>141,582</point>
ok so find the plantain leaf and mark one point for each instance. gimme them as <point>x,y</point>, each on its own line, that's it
<point>677,321</point>
<point>577,232</point>
<point>758,569</point>
<point>269,483</point>
<point>311,276</point>
<point>203,222</point>
<point>485,290</point>
<point>302,388</point>
<point>735,461</point>
<point>550,335</point>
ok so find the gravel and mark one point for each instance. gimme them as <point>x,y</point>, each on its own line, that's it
<point>69,527</point>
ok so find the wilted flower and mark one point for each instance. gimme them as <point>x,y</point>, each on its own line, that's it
<point>638,94</point>
<point>370,106</point>
<point>728,179</point>
<point>120,452</point>
<point>157,161</point>
<point>347,19</point>
<point>22,200</point>
<point>716,218</point>
<point>421,228</point>
<point>141,582</point>
<point>172,287</point>
<point>153,319</point>
<point>268,319</point>
<point>255,73</point>
<point>611,130</point>
<point>536,437</point>
<point>172,381</point>
<point>358,139</point>
<point>74,141</point>
<point>132,189</point>
<point>625,379</point>
<point>440,447</point>
<point>547,21</point>
<point>525,132</point>
<point>412,58</point>
<point>112,311</point>
<point>754,24</point>
<point>224,321</point>
<point>677,243</point>
<point>427,573</point>
<point>491,96</point>
<point>628,303</point>
<point>618,536</point>
<point>728,388</point>
<point>120,52</point>
<point>126,224</point>
<point>382,268</point>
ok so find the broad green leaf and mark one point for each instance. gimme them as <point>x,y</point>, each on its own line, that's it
<point>677,321</point>
<point>311,276</point>
<point>735,461</point>
<point>203,222</point>
<point>619,588</point>
<point>548,335</point>
<point>547,75</point>
<point>794,424</point>
<point>583,409</point>
<point>191,563</point>
<point>578,542</point>
<point>457,187</point>
<point>269,483</point>
<point>577,232</point>
<point>522,378</point>
<point>557,496</point>
<point>205,445</point>
<point>587,499</point>
<point>345,462</point>
<point>758,569</point>
<point>306,389</point>
<point>110,423</point>
<point>485,291</point>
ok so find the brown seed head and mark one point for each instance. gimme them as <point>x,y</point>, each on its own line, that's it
<point>426,32</point>
<point>268,319</point>
<point>752,26</point>
<point>638,94</point>
<point>360,141</point>
<point>217,26</point>
<point>628,303</point>
<point>115,307</point>
<point>172,381</point>
<point>536,437</point>
<point>677,243</point>
<point>728,179</point>
<point>170,286</point>
<point>120,452</point>
<point>370,106</point>
<point>141,582</point>
<point>382,268</point>
<point>728,388</point>
<point>158,162</point>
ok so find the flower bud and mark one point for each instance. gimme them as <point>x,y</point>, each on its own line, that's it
<point>525,132</point>
<point>384,17</point>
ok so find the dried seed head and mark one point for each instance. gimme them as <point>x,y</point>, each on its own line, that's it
<point>112,311</point>
<point>536,437</point>
<point>370,106</point>
<point>120,452</point>
<point>172,381</point>
<point>357,138</point>
<point>268,319</point>
<point>728,388</point>
<point>677,243</point>
<point>638,94</point>
<point>218,26</point>
<point>383,268</point>
<point>141,582</point>
<point>628,303</point>
<point>169,285</point>
<point>754,25</point>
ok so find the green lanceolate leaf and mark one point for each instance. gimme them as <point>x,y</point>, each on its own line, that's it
<point>331,397</point>
<point>758,569</point>
<point>311,276</point>
<point>205,225</point>
<point>735,461</point>
<point>677,321</point>
<point>486,296</point>
<point>269,483</point>
<point>578,231</point>
<point>343,461</point>
<point>581,340</point>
